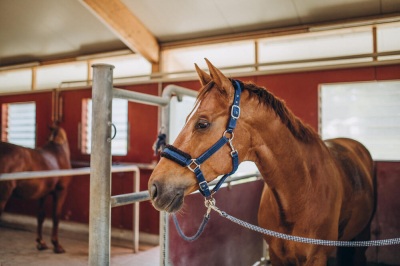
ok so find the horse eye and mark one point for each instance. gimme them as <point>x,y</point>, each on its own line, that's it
<point>202,125</point>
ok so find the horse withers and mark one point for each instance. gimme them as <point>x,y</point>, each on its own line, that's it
<point>314,189</point>
<point>52,156</point>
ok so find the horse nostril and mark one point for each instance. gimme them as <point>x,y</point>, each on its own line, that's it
<point>153,191</point>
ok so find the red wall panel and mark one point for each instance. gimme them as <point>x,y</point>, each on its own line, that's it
<point>43,102</point>
<point>299,90</point>
<point>222,242</point>
<point>143,132</point>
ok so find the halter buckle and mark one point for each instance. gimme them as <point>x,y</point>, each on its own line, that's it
<point>193,162</point>
<point>235,111</point>
<point>203,185</point>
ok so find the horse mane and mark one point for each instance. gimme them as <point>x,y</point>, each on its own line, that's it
<point>299,129</point>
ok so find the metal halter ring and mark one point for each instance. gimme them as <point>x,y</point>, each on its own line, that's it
<point>193,162</point>
<point>233,135</point>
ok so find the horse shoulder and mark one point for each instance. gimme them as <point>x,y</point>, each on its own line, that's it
<point>13,158</point>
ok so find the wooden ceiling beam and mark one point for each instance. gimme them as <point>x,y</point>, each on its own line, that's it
<point>116,16</point>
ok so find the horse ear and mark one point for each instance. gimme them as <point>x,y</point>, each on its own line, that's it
<point>222,82</point>
<point>49,127</point>
<point>203,76</point>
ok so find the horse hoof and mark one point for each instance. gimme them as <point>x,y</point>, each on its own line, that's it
<point>59,250</point>
<point>41,246</point>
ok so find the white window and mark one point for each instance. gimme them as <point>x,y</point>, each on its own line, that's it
<point>119,145</point>
<point>315,45</point>
<point>127,66</point>
<point>178,114</point>
<point>19,124</point>
<point>220,55</point>
<point>16,80</point>
<point>368,112</point>
<point>49,77</point>
<point>388,37</point>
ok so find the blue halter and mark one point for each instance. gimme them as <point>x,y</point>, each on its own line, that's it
<point>186,160</point>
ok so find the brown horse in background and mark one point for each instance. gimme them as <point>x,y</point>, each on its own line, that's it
<point>314,189</point>
<point>52,156</point>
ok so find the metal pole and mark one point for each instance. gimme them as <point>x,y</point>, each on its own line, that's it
<point>164,218</point>
<point>135,226</point>
<point>100,162</point>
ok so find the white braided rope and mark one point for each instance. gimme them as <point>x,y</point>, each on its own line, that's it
<point>385,242</point>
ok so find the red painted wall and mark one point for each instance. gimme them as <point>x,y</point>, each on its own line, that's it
<point>143,124</point>
<point>299,90</point>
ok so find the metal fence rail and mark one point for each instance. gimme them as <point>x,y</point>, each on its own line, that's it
<point>85,171</point>
<point>130,198</point>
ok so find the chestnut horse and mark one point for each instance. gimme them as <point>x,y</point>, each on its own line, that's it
<point>313,188</point>
<point>52,156</point>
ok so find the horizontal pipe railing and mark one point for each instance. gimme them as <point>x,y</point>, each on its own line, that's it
<point>130,198</point>
<point>64,172</point>
<point>133,96</point>
<point>145,98</point>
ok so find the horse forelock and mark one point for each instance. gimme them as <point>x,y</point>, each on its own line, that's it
<point>299,129</point>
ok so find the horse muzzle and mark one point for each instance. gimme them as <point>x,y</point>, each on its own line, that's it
<point>165,197</point>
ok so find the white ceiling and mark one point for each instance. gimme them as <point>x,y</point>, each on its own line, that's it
<point>32,30</point>
<point>180,19</point>
<point>40,30</point>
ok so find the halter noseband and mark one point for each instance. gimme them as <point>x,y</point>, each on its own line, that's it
<point>174,154</point>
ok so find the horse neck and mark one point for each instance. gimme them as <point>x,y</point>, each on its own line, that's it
<point>288,165</point>
<point>60,151</point>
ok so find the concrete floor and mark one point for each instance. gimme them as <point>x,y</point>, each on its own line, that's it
<point>18,247</point>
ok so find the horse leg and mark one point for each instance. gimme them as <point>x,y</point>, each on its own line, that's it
<point>360,259</point>
<point>58,202</point>
<point>354,256</point>
<point>275,261</point>
<point>6,189</point>
<point>41,245</point>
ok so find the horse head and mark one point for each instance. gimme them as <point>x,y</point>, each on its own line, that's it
<point>57,134</point>
<point>170,182</point>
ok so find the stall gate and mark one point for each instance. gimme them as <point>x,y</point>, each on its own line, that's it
<point>101,201</point>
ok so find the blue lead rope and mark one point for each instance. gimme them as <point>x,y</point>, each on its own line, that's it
<point>192,238</point>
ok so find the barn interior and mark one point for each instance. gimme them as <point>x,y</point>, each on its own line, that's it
<point>336,64</point>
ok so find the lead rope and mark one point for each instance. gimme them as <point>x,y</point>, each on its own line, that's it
<point>371,243</point>
<point>203,224</point>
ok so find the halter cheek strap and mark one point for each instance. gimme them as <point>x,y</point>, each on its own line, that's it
<point>174,154</point>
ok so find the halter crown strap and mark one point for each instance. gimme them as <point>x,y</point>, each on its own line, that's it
<point>174,154</point>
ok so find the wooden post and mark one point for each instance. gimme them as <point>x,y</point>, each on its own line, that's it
<point>33,85</point>
<point>375,43</point>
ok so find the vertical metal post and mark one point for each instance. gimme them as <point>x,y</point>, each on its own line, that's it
<point>136,188</point>
<point>164,218</point>
<point>374,43</point>
<point>100,166</point>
